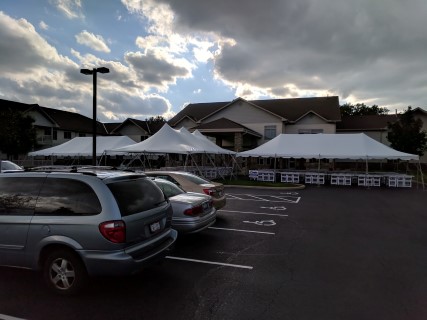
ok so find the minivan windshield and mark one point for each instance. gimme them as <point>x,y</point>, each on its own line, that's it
<point>136,195</point>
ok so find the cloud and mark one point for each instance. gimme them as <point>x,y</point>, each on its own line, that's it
<point>43,25</point>
<point>72,9</point>
<point>95,42</point>
<point>360,49</point>
<point>32,71</point>
<point>156,69</point>
<point>24,51</point>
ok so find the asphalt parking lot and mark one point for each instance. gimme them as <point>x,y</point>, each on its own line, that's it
<point>317,253</point>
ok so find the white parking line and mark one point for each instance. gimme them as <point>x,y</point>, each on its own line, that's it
<point>5,317</point>
<point>240,230</point>
<point>250,197</point>
<point>210,262</point>
<point>250,212</point>
<point>292,201</point>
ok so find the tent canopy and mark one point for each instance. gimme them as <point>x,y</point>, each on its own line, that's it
<point>326,146</point>
<point>82,146</point>
<point>169,140</point>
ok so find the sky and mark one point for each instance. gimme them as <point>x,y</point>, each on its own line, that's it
<point>164,54</point>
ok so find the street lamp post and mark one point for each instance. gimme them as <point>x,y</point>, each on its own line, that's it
<point>94,71</point>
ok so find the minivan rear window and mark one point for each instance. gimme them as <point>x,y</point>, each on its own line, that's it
<point>136,195</point>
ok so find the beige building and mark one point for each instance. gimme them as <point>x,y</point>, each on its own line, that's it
<point>241,125</point>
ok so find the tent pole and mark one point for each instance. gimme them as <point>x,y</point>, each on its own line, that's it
<point>235,163</point>
<point>275,155</point>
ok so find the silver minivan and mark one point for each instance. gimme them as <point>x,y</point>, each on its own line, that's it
<point>71,225</point>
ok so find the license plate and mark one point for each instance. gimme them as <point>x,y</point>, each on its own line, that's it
<point>155,226</point>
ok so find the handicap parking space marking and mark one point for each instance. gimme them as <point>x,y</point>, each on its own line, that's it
<point>269,198</point>
<point>290,193</point>
<point>264,223</point>
<point>274,208</point>
<point>210,262</point>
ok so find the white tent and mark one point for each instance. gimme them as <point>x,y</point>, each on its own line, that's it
<point>82,146</point>
<point>168,140</point>
<point>211,145</point>
<point>326,146</point>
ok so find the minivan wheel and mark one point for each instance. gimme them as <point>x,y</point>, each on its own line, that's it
<point>64,272</point>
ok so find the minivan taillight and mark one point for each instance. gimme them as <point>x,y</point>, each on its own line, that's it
<point>114,231</point>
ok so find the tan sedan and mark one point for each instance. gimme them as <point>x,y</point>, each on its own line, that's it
<point>192,183</point>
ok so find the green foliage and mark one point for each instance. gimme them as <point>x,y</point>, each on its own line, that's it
<point>17,134</point>
<point>406,135</point>
<point>361,109</point>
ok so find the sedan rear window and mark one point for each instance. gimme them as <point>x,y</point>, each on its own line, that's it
<point>136,195</point>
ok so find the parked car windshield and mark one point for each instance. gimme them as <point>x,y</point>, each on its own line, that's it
<point>136,195</point>
<point>170,189</point>
<point>195,179</point>
<point>7,165</point>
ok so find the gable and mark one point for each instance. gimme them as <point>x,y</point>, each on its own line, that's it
<point>310,118</point>
<point>185,122</point>
<point>40,119</point>
<point>242,111</point>
<point>129,128</point>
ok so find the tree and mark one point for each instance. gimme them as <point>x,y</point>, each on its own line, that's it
<point>361,109</point>
<point>406,134</point>
<point>17,134</point>
<point>156,119</point>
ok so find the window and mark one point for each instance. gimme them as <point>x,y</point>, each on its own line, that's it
<point>67,135</point>
<point>66,197</point>
<point>18,195</point>
<point>136,195</point>
<point>55,135</point>
<point>47,131</point>
<point>169,189</point>
<point>269,132</point>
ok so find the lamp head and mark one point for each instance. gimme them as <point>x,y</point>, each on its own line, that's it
<point>102,70</point>
<point>86,71</point>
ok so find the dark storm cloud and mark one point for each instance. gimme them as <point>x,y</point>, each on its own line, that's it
<point>155,70</point>
<point>365,48</point>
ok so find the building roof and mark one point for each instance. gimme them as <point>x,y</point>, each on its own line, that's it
<point>366,123</point>
<point>289,109</point>
<point>64,120</point>
<point>225,125</point>
<point>151,127</point>
<point>110,126</point>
